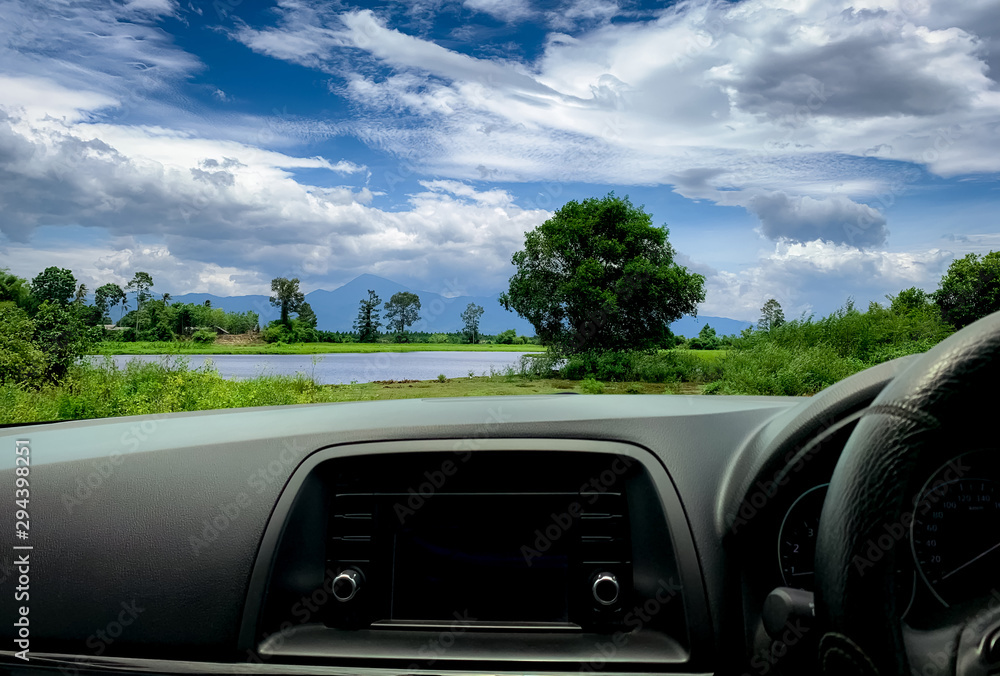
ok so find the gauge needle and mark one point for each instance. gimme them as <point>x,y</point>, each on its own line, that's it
<point>972,560</point>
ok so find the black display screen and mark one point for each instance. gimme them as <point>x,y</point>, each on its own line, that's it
<point>476,558</point>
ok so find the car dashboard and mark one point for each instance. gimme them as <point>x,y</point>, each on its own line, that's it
<point>534,534</point>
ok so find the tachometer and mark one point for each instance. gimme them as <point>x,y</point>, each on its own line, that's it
<point>955,533</point>
<point>797,538</point>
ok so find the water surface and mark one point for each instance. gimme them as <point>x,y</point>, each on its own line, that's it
<point>342,368</point>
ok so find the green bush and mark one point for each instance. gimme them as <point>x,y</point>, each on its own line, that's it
<point>204,336</point>
<point>442,378</point>
<point>773,369</point>
<point>21,359</point>
<point>591,386</point>
<point>714,388</point>
<point>506,337</point>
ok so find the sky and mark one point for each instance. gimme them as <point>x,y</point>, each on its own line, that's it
<point>807,151</point>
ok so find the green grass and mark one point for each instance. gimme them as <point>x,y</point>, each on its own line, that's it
<point>710,356</point>
<point>169,347</point>
<point>104,390</point>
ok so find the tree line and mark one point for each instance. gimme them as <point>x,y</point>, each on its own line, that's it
<point>396,315</point>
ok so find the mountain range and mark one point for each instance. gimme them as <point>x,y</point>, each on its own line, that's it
<point>336,310</point>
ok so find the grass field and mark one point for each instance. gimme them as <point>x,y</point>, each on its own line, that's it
<point>137,389</point>
<point>299,348</point>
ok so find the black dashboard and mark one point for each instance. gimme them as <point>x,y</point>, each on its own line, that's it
<point>536,534</point>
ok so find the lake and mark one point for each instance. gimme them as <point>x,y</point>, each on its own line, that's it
<point>342,368</point>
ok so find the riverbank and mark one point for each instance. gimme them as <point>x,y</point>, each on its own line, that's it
<point>138,389</point>
<point>299,348</point>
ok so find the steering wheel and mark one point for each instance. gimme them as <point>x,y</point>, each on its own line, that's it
<point>945,403</point>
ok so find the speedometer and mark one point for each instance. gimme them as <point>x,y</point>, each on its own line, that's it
<point>797,539</point>
<point>955,535</point>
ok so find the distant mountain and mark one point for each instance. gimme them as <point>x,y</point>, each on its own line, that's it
<point>336,310</point>
<point>689,327</point>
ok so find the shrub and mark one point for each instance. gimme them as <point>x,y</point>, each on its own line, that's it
<point>714,388</point>
<point>442,378</point>
<point>506,337</point>
<point>591,386</point>
<point>772,369</point>
<point>204,336</point>
<point>21,360</point>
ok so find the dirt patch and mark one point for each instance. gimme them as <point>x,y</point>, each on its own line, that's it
<point>239,339</point>
<point>394,382</point>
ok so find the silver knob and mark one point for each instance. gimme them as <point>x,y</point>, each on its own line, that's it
<point>605,589</point>
<point>346,585</point>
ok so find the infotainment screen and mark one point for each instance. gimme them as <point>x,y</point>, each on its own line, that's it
<point>482,558</point>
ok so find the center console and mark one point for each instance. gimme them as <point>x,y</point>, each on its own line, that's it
<point>485,542</point>
<point>435,554</point>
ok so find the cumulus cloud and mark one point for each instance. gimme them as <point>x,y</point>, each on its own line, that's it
<point>763,95</point>
<point>832,219</point>
<point>802,113</point>
<point>223,216</point>
<point>819,275</point>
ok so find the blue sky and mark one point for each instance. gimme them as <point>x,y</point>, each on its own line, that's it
<point>806,151</point>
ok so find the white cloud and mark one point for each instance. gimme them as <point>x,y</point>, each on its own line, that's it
<point>803,277</point>
<point>503,10</point>
<point>801,102</point>
<point>221,216</point>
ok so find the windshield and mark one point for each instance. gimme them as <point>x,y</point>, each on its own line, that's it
<point>235,203</point>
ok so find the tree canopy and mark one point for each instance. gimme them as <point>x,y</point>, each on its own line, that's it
<point>970,289</point>
<point>285,294</point>
<point>470,321</point>
<point>14,289</point>
<point>107,296</point>
<point>53,284</point>
<point>599,276</point>
<point>368,321</point>
<point>771,315</point>
<point>402,310</point>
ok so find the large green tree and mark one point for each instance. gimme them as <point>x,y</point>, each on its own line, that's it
<point>55,285</point>
<point>285,294</point>
<point>599,275</point>
<point>771,315</point>
<point>307,316</point>
<point>368,321</point>
<point>470,321</point>
<point>107,296</point>
<point>61,336</point>
<point>402,310</point>
<point>140,284</point>
<point>970,289</point>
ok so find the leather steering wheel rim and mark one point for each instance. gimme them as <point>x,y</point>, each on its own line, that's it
<point>942,405</point>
